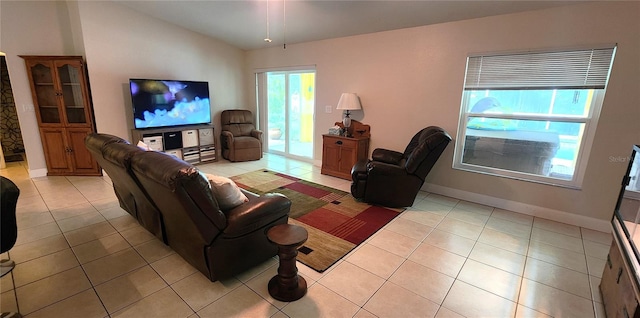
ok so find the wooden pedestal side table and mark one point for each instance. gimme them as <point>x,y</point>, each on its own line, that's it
<point>287,285</point>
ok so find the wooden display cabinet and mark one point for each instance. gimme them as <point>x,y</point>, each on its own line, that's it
<point>63,109</point>
<point>341,152</point>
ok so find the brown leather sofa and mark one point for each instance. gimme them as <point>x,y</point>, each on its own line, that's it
<point>239,137</point>
<point>218,243</point>
<point>116,162</point>
<point>393,178</point>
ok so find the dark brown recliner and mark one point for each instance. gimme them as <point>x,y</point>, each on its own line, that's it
<point>392,178</point>
<point>9,194</point>
<point>114,154</point>
<point>239,137</point>
<point>218,243</point>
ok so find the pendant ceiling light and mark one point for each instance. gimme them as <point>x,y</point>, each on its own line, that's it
<point>267,39</point>
<point>284,24</point>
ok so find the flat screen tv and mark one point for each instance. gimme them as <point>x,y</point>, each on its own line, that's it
<point>166,103</point>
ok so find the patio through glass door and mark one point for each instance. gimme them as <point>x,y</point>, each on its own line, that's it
<point>290,104</point>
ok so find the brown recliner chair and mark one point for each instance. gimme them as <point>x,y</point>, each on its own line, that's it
<point>392,178</point>
<point>218,243</point>
<point>239,137</point>
<point>114,154</point>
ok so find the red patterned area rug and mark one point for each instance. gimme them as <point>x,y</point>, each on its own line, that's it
<point>336,222</point>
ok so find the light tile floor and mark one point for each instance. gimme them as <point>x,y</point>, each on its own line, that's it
<point>79,255</point>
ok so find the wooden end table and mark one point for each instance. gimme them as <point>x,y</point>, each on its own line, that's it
<point>287,285</point>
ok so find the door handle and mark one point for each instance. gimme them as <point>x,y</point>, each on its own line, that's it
<point>339,142</point>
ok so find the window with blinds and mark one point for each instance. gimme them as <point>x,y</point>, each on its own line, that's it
<point>532,115</point>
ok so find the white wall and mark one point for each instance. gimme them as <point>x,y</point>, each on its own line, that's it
<point>117,43</point>
<point>121,43</point>
<point>32,28</point>
<point>411,78</point>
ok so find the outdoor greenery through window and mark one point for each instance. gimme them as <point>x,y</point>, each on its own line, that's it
<point>288,111</point>
<point>532,115</point>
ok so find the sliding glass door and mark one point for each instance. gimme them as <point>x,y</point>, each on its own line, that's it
<point>287,111</point>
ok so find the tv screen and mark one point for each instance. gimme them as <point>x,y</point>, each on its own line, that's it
<point>165,103</point>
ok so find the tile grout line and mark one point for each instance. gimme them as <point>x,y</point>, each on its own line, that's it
<point>591,293</point>
<point>524,268</point>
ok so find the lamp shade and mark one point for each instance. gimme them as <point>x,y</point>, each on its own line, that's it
<point>349,101</point>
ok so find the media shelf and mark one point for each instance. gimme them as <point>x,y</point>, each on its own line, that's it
<point>194,144</point>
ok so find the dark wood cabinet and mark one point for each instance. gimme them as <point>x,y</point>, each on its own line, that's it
<point>617,286</point>
<point>63,108</point>
<point>339,154</point>
<point>620,283</point>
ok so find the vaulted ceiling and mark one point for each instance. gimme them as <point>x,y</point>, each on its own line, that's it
<point>243,23</point>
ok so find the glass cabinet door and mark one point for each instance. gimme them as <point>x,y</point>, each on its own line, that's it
<point>71,92</point>
<point>46,95</point>
<point>628,205</point>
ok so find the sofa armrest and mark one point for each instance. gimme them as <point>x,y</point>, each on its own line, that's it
<point>256,214</point>
<point>387,156</point>
<point>359,170</point>
<point>380,169</point>
<point>226,138</point>
<point>359,176</point>
<point>257,134</point>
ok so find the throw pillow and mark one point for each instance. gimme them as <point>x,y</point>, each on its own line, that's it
<point>143,146</point>
<point>226,192</point>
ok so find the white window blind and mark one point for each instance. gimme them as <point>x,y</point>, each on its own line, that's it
<point>576,69</point>
<point>532,115</point>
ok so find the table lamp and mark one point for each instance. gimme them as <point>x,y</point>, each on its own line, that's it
<point>348,102</point>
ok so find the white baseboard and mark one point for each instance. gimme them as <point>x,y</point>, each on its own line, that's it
<point>36,173</point>
<point>533,210</point>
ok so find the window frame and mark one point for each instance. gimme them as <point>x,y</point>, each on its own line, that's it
<point>590,122</point>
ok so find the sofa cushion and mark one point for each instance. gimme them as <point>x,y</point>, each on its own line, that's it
<point>240,117</point>
<point>119,154</point>
<point>143,146</point>
<point>226,192</point>
<point>257,215</point>
<point>239,122</point>
<point>244,142</point>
